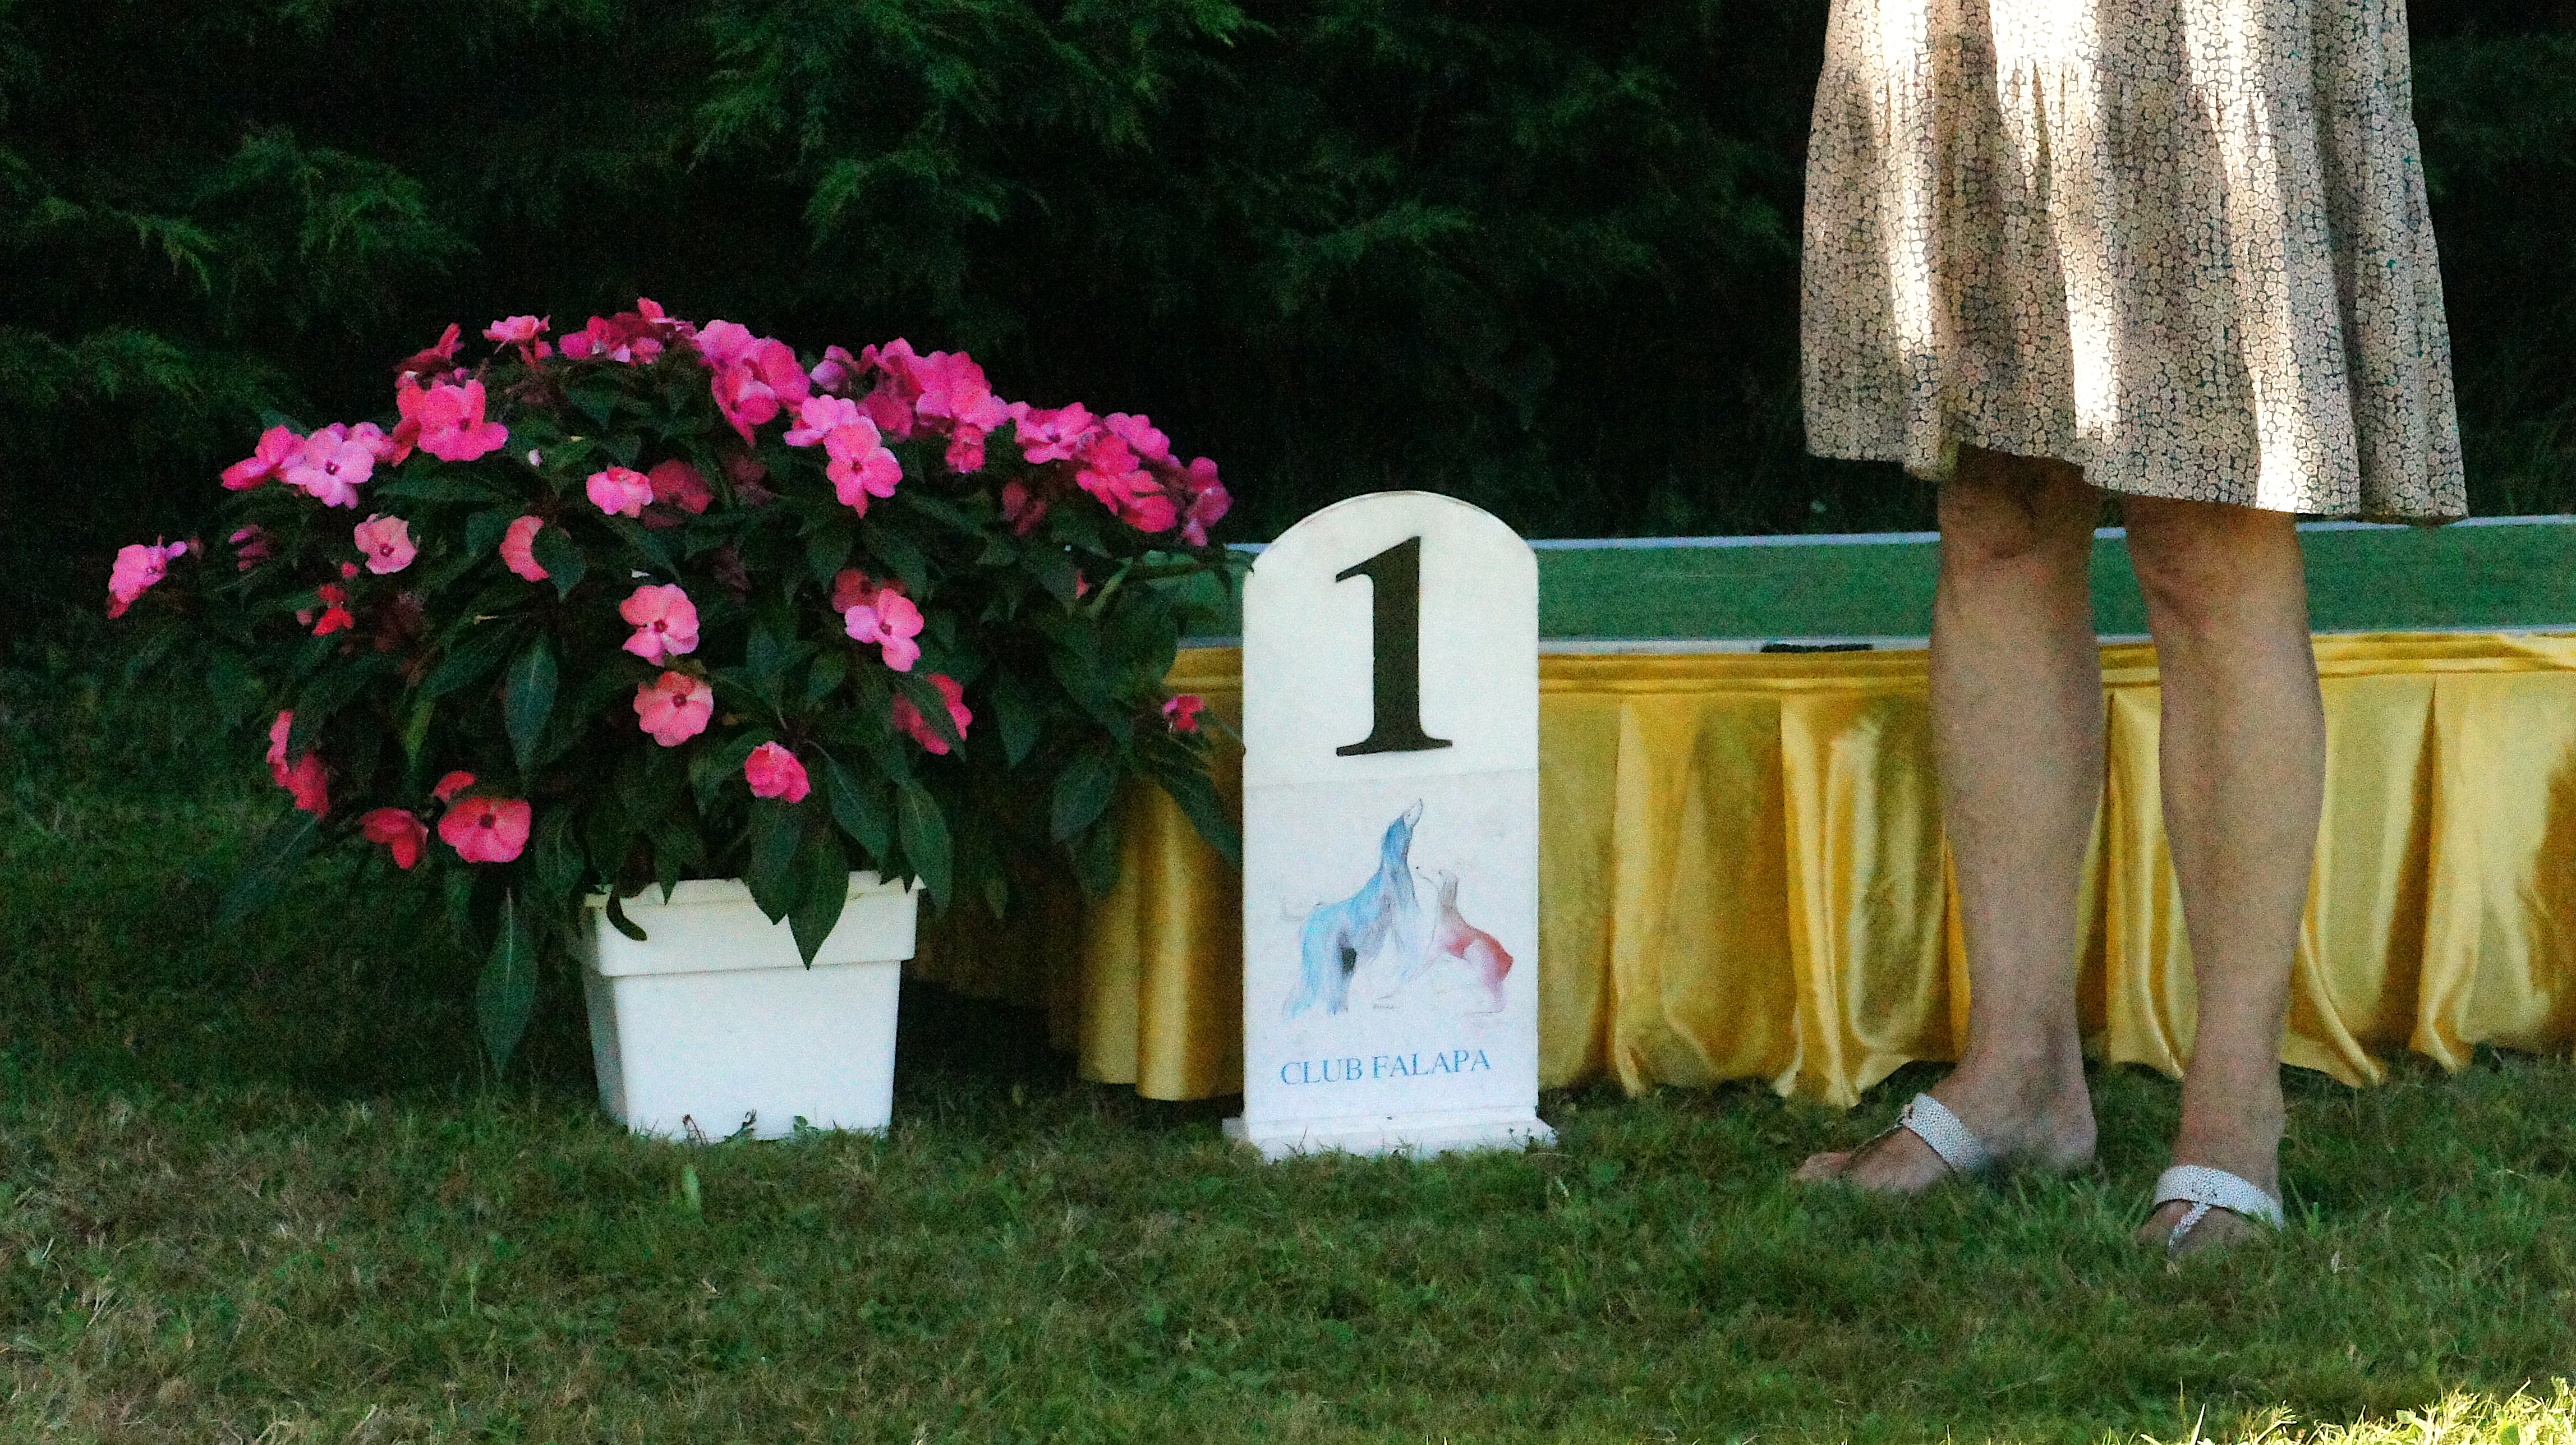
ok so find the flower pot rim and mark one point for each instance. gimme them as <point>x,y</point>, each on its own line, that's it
<point>722,892</point>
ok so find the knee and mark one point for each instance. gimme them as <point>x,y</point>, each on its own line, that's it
<point>2016,512</point>
<point>2205,567</point>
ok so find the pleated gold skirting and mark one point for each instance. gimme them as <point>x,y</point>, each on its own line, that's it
<point>1742,876</point>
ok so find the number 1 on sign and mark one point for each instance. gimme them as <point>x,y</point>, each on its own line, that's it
<point>1395,652</point>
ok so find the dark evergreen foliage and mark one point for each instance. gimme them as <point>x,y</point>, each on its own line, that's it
<point>1543,256</point>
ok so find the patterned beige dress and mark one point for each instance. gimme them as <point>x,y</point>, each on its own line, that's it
<point>2181,244</point>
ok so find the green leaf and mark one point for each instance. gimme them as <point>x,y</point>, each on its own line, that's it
<point>416,727</point>
<point>618,920</point>
<point>506,992</point>
<point>925,838</point>
<point>1095,857</point>
<point>859,810</point>
<point>932,704</point>
<point>326,694</point>
<point>776,830</point>
<point>898,553</point>
<point>562,558</point>
<point>528,699</point>
<point>1197,796</point>
<point>1056,572</point>
<point>467,662</point>
<point>827,551</point>
<point>1082,793</point>
<point>484,531</point>
<point>557,860</point>
<point>825,675</point>
<point>1020,715</point>
<point>765,658</point>
<point>677,853</point>
<point>712,768</point>
<point>647,545</point>
<point>822,887</point>
<point>599,403</point>
<point>444,486</point>
<point>934,506</point>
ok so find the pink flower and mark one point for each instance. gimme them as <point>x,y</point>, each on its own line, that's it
<point>452,427</point>
<point>137,568</point>
<point>774,772</point>
<point>724,342</point>
<point>451,785</point>
<point>953,390</point>
<point>861,466</point>
<point>435,359</point>
<point>1022,508</point>
<point>527,332</point>
<point>399,831</point>
<point>1054,436</point>
<point>250,547</point>
<point>1209,501</point>
<point>1110,472</point>
<point>335,613</point>
<point>681,485</point>
<point>305,778</point>
<point>519,548</point>
<point>486,830</point>
<point>387,543</point>
<point>635,337</point>
<point>835,371</point>
<point>674,707</point>
<point>1140,436</point>
<point>331,464</point>
<point>277,446</point>
<point>665,622</point>
<point>819,416</point>
<point>754,376</point>
<point>369,435</point>
<point>891,621</point>
<point>621,491</point>
<point>887,407</point>
<point>851,588</point>
<point>956,400</point>
<point>909,718</point>
<point>1182,712</point>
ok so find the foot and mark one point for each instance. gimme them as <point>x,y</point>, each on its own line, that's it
<point>2024,1119</point>
<point>2244,1141</point>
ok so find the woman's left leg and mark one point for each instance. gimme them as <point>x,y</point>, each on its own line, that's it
<point>2243,758</point>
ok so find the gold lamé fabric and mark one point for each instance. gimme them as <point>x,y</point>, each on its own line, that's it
<point>1742,876</point>
<point>2182,244</point>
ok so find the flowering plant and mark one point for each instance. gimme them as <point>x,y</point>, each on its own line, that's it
<point>653,600</point>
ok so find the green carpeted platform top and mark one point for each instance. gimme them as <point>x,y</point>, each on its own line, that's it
<point>2506,572</point>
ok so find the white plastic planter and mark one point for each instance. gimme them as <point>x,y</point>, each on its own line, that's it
<point>713,1023</point>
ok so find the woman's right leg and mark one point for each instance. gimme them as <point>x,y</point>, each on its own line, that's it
<point>2017,722</point>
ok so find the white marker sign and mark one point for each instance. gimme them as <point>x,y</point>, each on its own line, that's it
<point>1390,798</point>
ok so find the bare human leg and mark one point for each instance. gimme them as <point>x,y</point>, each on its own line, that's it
<point>2017,718</point>
<point>2243,759</point>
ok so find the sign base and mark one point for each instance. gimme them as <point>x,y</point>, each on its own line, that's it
<point>1378,1134</point>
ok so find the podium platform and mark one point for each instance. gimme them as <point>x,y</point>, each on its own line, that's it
<point>1741,867</point>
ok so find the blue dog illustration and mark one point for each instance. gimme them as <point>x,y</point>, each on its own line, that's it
<point>1340,937</point>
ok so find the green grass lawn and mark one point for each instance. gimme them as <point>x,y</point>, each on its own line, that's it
<point>253,1186</point>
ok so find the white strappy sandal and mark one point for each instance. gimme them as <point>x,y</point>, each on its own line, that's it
<point>2205,1189</point>
<point>1924,1117</point>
